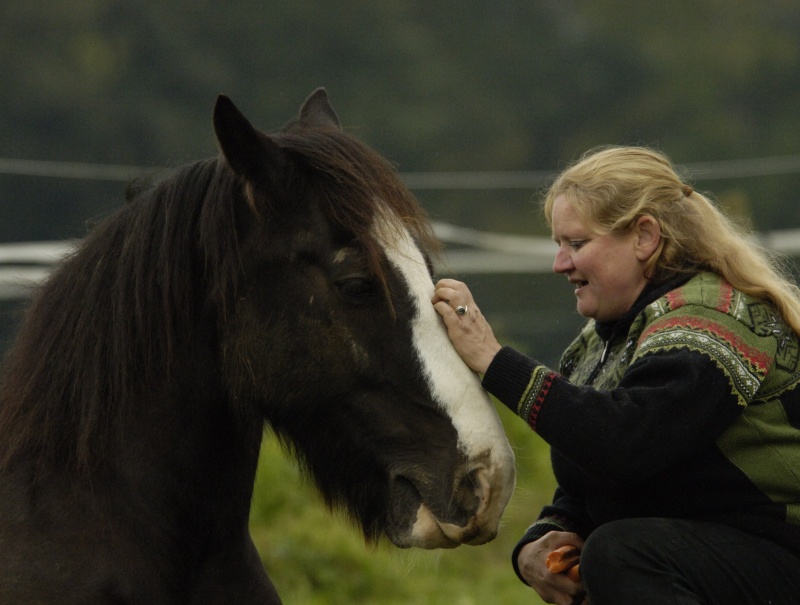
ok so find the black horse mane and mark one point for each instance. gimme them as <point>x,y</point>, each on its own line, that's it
<point>109,322</point>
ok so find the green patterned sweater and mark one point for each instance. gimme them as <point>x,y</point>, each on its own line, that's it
<point>687,407</point>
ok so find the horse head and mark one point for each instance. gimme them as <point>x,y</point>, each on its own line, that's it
<point>331,336</point>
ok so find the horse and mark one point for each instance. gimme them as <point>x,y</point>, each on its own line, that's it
<point>284,283</point>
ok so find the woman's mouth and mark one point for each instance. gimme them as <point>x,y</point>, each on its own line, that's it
<point>579,284</point>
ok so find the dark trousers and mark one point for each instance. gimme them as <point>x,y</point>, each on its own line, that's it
<point>676,562</point>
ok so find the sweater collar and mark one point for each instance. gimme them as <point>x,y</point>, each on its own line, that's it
<point>650,293</point>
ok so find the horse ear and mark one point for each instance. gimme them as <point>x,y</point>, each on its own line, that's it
<point>249,153</point>
<point>317,110</point>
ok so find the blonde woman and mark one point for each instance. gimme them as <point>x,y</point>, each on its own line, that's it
<point>674,417</point>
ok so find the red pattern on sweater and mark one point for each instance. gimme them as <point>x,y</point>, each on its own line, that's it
<point>533,417</point>
<point>757,358</point>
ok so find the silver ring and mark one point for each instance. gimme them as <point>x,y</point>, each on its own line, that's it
<point>461,310</point>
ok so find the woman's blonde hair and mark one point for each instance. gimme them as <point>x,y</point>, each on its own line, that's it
<point>612,187</point>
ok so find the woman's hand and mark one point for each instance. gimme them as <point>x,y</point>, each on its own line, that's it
<point>468,329</point>
<point>551,587</point>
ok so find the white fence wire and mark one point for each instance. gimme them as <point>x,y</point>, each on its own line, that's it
<point>467,251</point>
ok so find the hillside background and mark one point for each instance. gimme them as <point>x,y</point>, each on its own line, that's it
<point>462,87</point>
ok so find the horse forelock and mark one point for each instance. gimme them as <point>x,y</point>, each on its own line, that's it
<point>358,184</point>
<point>108,322</point>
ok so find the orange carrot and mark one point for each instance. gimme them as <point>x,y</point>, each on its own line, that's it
<point>565,559</point>
<point>574,573</point>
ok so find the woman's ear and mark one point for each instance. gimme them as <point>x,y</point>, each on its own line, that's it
<point>648,237</point>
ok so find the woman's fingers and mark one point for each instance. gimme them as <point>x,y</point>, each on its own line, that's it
<point>454,293</point>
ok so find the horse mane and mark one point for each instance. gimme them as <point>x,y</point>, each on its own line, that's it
<point>103,324</point>
<point>107,325</point>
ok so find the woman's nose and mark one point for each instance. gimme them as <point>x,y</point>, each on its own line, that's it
<point>562,262</point>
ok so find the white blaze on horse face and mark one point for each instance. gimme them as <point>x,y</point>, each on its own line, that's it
<point>458,392</point>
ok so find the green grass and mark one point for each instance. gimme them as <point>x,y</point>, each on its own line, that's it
<point>315,557</point>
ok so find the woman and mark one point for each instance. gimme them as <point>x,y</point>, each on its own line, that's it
<point>674,420</point>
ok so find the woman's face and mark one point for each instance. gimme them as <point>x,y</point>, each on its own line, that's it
<point>608,271</point>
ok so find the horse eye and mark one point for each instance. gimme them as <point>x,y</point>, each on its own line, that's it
<point>357,287</point>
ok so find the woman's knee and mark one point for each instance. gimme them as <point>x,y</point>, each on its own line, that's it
<point>621,558</point>
<point>614,542</point>
<point>621,550</point>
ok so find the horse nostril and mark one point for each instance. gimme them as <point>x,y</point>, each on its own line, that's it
<point>469,493</point>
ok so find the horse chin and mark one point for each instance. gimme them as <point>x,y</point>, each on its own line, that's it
<point>440,534</point>
<point>428,532</point>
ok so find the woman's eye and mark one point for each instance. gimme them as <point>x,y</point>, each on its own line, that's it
<point>577,244</point>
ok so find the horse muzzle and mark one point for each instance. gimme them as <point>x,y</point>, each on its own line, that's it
<point>470,514</point>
